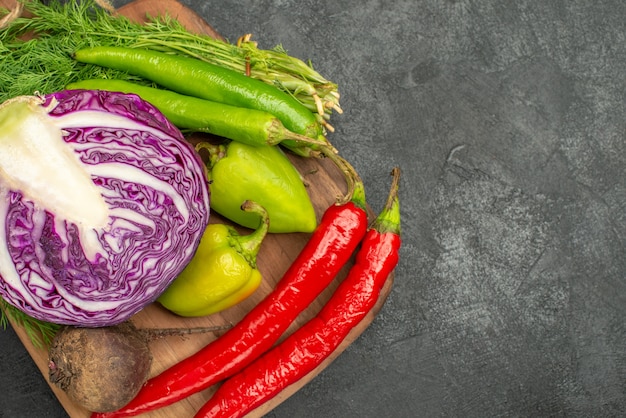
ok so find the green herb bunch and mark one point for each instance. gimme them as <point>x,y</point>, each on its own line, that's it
<point>39,332</point>
<point>44,62</point>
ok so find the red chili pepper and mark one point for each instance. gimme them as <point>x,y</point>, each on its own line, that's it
<point>328,249</point>
<point>309,345</point>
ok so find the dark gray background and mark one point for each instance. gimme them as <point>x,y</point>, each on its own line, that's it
<point>507,119</point>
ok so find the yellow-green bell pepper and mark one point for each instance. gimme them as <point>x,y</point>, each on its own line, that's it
<point>222,273</point>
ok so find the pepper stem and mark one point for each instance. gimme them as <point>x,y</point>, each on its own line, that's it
<point>248,245</point>
<point>388,221</point>
<point>356,190</point>
<point>305,141</point>
<point>216,151</point>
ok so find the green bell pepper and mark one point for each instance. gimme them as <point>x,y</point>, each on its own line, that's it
<point>263,174</point>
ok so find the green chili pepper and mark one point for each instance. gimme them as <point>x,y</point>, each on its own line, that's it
<point>223,271</point>
<point>253,127</point>
<point>239,172</point>
<point>197,78</point>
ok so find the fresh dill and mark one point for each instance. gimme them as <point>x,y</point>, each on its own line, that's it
<point>39,332</point>
<point>44,62</point>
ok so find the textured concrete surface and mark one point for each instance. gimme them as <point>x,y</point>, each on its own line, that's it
<point>507,119</point>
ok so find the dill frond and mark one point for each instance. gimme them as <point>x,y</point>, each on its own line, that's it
<point>39,332</point>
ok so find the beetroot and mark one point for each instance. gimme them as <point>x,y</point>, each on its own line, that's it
<point>103,368</point>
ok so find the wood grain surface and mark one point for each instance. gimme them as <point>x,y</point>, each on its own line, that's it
<point>325,185</point>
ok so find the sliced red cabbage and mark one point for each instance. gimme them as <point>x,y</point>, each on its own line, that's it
<point>103,203</point>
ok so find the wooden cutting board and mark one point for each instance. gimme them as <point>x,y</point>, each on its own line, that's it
<point>326,183</point>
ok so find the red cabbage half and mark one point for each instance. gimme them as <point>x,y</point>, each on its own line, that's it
<point>102,202</point>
